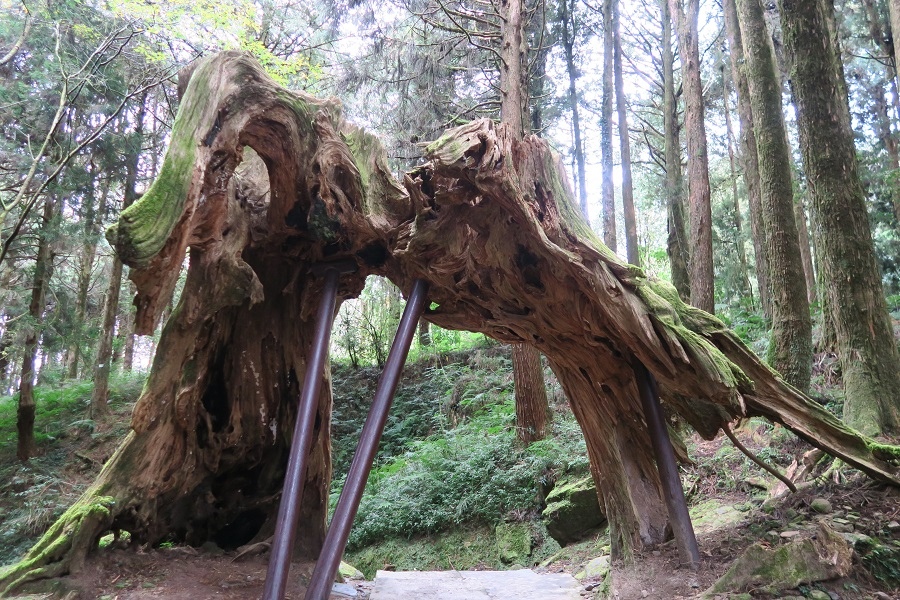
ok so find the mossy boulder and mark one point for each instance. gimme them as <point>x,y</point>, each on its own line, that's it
<point>820,558</point>
<point>573,510</point>
<point>513,542</point>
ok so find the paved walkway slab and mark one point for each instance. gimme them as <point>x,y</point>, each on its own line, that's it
<point>523,584</point>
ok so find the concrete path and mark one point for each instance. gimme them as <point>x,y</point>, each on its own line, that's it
<point>523,584</point>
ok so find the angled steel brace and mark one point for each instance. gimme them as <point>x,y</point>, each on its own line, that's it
<point>289,509</point>
<point>339,530</point>
<point>668,470</point>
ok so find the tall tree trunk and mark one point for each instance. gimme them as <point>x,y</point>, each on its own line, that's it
<point>676,243</point>
<point>103,364</point>
<point>701,266</point>
<point>528,379</point>
<point>806,255</point>
<point>790,349</point>
<point>127,330</point>
<point>93,215</point>
<point>531,393</point>
<point>631,238</point>
<point>868,352</point>
<point>894,11</point>
<point>735,198</point>
<point>607,189</point>
<point>568,42</point>
<point>43,271</point>
<point>749,159</point>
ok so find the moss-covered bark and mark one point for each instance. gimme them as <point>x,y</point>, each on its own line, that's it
<point>869,360</point>
<point>790,349</point>
<point>490,224</point>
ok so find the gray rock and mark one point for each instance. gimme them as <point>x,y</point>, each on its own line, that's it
<point>821,505</point>
<point>861,542</point>
<point>572,510</point>
<point>597,567</point>
<point>344,590</point>
<point>789,565</point>
<point>818,595</point>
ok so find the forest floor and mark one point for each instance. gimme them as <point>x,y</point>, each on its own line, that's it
<point>726,524</point>
<point>730,506</point>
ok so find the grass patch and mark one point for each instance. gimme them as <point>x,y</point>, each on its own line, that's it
<point>34,495</point>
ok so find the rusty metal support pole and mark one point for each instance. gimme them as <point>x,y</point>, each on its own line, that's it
<point>289,509</point>
<point>668,470</point>
<point>339,530</point>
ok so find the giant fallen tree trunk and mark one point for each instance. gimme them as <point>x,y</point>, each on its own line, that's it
<point>489,223</point>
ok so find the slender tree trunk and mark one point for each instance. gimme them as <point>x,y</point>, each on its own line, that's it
<point>809,271</point>
<point>701,266</point>
<point>894,11</point>
<point>424,333</point>
<point>43,270</point>
<point>790,349</point>
<point>631,238</point>
<point>607,189</point>
<point>735,198</point>
<point>749,159</point>
<point>885,133</point>
<point>528,379</point>
<point>86,267</point>
<point>676,244</point>
<point>568,42</point>
<point>869,358</point>
<point>126,318</point>
<point>531,393</point>
<point>103,364</point>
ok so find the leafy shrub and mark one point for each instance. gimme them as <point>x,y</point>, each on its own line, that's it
<point>475,473</point>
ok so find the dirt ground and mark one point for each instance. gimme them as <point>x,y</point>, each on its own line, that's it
<point>192,574</point>
<point>728,517</point>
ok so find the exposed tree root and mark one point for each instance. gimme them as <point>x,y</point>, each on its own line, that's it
<point>65,545</point>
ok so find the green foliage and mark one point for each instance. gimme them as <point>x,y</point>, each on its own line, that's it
<point>34,495</point>
<point>60,408</point>
<point>748,322</point>
<point>475,473</point>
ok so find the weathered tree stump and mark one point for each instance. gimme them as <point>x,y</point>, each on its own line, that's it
<point>489,223</point>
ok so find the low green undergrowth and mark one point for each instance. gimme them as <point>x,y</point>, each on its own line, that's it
<point>61,408</point>
<point>71,448</point>
<point>475,473</point>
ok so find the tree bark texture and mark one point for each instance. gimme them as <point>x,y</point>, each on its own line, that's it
<point>749,160</point>
<point>865,341</point>
<point>677,247</point>
<point>894,11</point>
<point>489,222</point>
<point>631,237</point>
<point>790,348</point>
<point>607,188</point>
<point>806,254</point>
<point>532,409</point>
<point>701,265</point>
<point>43,270</point>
